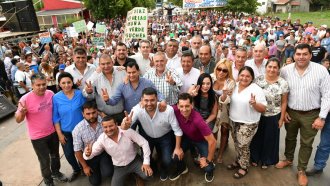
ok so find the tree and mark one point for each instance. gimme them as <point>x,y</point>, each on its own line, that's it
<point>238,6</point>
<point>112,8</point>
<point>178,3</point>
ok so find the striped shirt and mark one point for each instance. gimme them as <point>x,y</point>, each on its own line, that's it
<point>84,134</point>
<point>310,90</point>
<point>170,92</point>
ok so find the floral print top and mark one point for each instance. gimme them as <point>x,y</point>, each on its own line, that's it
<point>273,93</point>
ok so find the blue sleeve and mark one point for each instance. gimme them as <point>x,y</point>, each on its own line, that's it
<point>117,96</point>
<point>56,115</point>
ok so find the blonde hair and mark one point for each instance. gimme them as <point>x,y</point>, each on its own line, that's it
<point>228,65</point>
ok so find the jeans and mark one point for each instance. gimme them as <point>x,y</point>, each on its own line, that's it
<point>101,166</point>
<point>202,147</point>
<point>289,52</point>
<point>47,150</point>
<point>164,146</point>
<point>323,150</point>
<point>69,153</point>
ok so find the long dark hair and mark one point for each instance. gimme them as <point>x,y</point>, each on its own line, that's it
<point>211,93</point>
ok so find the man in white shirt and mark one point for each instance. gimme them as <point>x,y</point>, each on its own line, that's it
<point>157,128</point>
<point>173,59</point>
<point>121,146</point>
<point>258,63</point>
<point>240,59</point>
<point>80,69</point>
<point>188,74</point>
<point>143,58</point>
<point>21,79</point>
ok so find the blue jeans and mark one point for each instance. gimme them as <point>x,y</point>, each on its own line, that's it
<point>323,150</point>
<point>164,146</point>
<point>202,147</point>
<point>289,52</point>
<point>69,153</point>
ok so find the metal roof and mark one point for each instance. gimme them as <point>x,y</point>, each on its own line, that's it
<point>59,12</point>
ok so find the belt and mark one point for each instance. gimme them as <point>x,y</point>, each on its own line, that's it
<point>305,112</point>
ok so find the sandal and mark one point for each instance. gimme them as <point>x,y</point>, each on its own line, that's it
<point>239,175</point>
<point>253,164</point>
<point>233,166</point>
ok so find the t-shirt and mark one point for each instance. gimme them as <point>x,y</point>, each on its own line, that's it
<point>318,54</point>
<point>195,127</point>
<point>39,114</point>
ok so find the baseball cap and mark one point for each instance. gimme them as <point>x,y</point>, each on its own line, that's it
<point>16,57</point>
<point>281,35</point>
<point>61,67</point>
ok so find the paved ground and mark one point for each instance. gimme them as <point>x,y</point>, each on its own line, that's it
<point>19,166</point>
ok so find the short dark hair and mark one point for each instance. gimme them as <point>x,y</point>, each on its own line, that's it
<point>187,53</point>
<point>185,96</point>
<point>324,60</point>
<point>248,69</point>
<point>121,44</point>
<point>149,91</point>
<point>108,118</point>
<point>64,75</point>
<point>132,64</point>
<point>274,59</point>
<point>89,105</point>
<point>303,46</point>
<point>79,51</point>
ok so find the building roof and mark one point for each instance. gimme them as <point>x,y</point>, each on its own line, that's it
<point>59,12</point>
<point>295,3</point>
<point>61,4</point>
<point>281,2</point>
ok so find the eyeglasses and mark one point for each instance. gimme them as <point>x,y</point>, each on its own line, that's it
<point>222,70</point>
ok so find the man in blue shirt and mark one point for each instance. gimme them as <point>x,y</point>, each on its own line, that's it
<point>131,92</point>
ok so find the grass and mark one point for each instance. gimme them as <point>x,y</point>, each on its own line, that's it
<point>318,18</point>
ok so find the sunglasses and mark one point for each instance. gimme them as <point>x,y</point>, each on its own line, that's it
<point>223,70</point>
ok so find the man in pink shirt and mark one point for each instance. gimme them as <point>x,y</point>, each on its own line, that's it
<point>36,107</point>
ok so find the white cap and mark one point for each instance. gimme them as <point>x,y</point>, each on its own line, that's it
<point>16,57</point>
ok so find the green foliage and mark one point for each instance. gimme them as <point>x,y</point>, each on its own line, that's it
<point>238,6</point>
<point>112,8</point>
<point>178,3</point>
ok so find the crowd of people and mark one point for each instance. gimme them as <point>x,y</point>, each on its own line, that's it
<point>185,88</point>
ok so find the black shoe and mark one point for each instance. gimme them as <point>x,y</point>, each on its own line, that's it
<point>178,173</point>
<point>59,177</point>
<point>74,176</point>
<point>313,172</point>
<point>209,176</point>
<point>49,183</point>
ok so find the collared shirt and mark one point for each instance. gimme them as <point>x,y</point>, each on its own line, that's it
<point>78,76</point>
<point>144,64</point>
<point>169,91</point>
<point>261,70</point>
<point>195,127</point>
<point>83,134</point>
<point>160,124</point>
<point>188,79</point>
<point>123,151</point>
<point>67,111</point>
<point>174,62</point>
<point>310,90</point>
<point>209,68</point>
<point>130,95</point>
<point>100,81</point>
<point>235,71</point>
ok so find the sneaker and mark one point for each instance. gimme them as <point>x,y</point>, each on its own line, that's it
<point>74,176</point>
<point>163,177</point>
<point>313,172</point>
<point>209,176</point>
<point>59,177</point>
<point>178,173</point>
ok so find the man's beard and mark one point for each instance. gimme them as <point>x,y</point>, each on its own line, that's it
<point>92,120</point>
<point>195,52</point>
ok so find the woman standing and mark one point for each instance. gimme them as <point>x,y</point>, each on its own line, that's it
<point>223,86</point>
<point>247,103</point>
<point>265,144</point>
<point>205,100</point>
<point>67,114</point>
<point>48,72</point>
